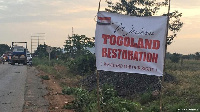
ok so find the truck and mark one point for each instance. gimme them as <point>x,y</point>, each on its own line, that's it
<point>19,54</point>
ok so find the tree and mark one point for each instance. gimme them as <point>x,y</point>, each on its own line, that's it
<point>197,55</point>
<point>41,51</point>
<point>4,48</point>
<point>76,45</point>
<point>147,8</point>
<point>175,57</point>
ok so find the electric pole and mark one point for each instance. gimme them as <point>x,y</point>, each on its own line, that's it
<point>36,40</point>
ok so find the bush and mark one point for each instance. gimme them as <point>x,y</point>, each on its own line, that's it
<point>87,101</point>
<point>84,64</point>
<point>84,101</point>
<point>44,77</point>
<point>175,57</point>
<point>146,97</point>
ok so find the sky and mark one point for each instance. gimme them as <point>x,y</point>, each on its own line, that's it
<point>53,20</point>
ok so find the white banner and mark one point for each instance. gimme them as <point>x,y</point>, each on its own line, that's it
<point>130,44</point>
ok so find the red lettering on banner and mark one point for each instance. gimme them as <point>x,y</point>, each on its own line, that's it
<point>105,37</point>
<point>140,43</point>
<point>141,54</point>
<point>119,40</point>
<point>144,56</point>
<point>155,58</point>
<point>135,56</point>
<point>148,44</point>
<point>119,53</point>
<point>156,44</point>
<point>104,52</point>
<point>149,57</point>
<point>129,55</point>
<point>114,53</point>
<point>127,41</point>
<point>109,52</point>
<point>124,54</point>
<point>130,42</point>
<point>112,40</point>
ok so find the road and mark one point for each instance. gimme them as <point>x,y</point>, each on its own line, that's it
<point>20,89</point>
<point>12,87</point>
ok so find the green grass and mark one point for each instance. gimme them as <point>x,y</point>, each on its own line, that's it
<point>45,77</point>
<point>184,93</point>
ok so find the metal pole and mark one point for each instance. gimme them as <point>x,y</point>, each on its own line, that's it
<point>161,95</point>
<point>31,45</point>
<point>49,58</point>
<point>98,97</point>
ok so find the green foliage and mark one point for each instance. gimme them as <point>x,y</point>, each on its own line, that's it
<point>40,61</point>
<point>41,51</point>
<point>135,7</point>
<point>146,97</point>
<point>175,25</point>
<point>44,77</point>
<point>147,8</point>
<point>83,64</point>
<point>197,56</point>
<point>4,48</point>
<point>86,101</point>
<point>175,57</point>
<point>76,45</point>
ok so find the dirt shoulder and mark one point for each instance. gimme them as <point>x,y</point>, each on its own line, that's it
<point>44,95</point>
<point>34,93</point>
<point>55,97</point>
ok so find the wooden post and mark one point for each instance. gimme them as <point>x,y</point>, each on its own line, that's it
<point>98,96</point>
<point>97,73</point>
<point>49,58</point>
<point>161,93</point>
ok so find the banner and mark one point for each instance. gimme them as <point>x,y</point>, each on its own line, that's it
<point>130,44</point>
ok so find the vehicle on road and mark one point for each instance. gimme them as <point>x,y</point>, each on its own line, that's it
<point>19,54</point>
<point>29,58</point>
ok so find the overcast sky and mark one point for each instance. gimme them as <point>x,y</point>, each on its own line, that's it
<point>21,19</point>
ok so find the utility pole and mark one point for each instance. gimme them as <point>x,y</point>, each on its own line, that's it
<point>72,31</point>
<point>37,38</point>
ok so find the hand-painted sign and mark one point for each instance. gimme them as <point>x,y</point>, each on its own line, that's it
<point>130,44</point>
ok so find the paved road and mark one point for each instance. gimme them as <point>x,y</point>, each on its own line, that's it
<point>12,87</point>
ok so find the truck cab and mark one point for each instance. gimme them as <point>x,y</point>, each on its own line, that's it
<point>19,55</point>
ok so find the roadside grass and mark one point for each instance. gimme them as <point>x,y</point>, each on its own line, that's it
<point>45,77</point>
<point>183,93</point>
<point>57,69</point>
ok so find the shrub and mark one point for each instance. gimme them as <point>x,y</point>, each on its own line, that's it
<point>44,77</point>
<point>175,57</point>
<point>86,101</point>
<point>84,64</point>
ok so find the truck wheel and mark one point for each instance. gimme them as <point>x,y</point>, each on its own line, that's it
<point>12,63</point>
<point>25,63</point>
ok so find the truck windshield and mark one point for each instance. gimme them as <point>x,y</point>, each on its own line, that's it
<point>18,50</point>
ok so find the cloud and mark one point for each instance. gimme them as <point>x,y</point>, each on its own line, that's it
<point>45,10</point>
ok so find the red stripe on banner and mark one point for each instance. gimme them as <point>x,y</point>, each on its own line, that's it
<point>104,18</point>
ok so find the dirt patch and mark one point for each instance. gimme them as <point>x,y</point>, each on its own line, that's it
<point>34,93</point>
<point>46,95</point>
<point>55,97</point>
